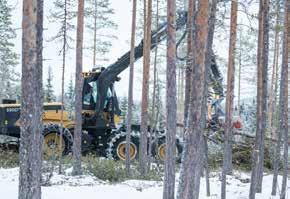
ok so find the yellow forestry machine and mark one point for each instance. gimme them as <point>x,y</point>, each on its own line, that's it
<point>102,132</point>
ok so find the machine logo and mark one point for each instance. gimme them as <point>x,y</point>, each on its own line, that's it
<point>12,110</point>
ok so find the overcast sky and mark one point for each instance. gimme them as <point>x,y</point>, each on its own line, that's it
<point>51,49</point>
<point>123,18</point>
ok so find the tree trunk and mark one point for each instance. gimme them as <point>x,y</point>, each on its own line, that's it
<point>189,62</point>
<point>284,103</point>
<point>239,76</point>
<point>95,33</point>
<point>153,117</point>
<point>275,64</point>
<point>265,59</point>
<point>62,82</point>
<point>277,149</point>
<point>32,101</point>
<point>262,66</point>
<point>130,92</point>
<point>193,151</point>
<point>227,161</point>
<point>171,106</point>
<point>143,155</point>
<point>77,168</point>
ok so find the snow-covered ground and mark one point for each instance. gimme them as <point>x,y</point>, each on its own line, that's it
<point>89,187</point>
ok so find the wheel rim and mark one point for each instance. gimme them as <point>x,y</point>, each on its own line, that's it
<point>121,151</point>
<point>162,152</point>
<point>53,145</point>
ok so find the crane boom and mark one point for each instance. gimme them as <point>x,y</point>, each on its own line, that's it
<point>109,75</point>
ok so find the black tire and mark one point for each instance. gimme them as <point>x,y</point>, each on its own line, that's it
<point>159,147</point>
<point>117,143</point>
<point>50,130</point>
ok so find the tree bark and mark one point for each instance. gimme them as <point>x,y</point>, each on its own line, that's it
<point>32,101</point>
<point>95,33</point>
<point>130,92</point>
<point>143,154</point>
<point>189,62</point>
<point>284,103</point>
<point>273,84</point>
<point>193,151</point>
<point>62,82</point>
<point>239,76</point>
<point>171,106</point>
<point>227,161</point>
<point>153,121</point>
<point>262,66</point>
<point>77,168</point>
<point>275,64</point>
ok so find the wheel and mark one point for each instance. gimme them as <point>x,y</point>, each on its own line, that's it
<point>117,147</point>
<point>160,153</point>
<point>53,145</point>
<point>121,151</point>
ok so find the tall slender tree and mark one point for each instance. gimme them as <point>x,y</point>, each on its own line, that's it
<point>227,161</point>
<point>64,14</point>
<point>99,21</point>
<point>271,107</point>
<point>189,61</point>
<point>70,96</point>
<point>284,120</point>
<point>262,66</point>
<point>193,150</point>
<point>171,106</point>
<point>31,104</point>
<point>48,90</point>
<point>153,118</point>
<point>130,92</point>
<point>77,170</point>
<point>274,69</point>
<point>143,155</point>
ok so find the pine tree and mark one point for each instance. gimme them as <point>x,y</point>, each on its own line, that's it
<point>48,91</point>
<point>70,97</point>
<point>8,58</point>
<point>77,168</point>
<point>192,159</point>
<point>283,109</point>
<point>262,67</point>
<point>99,21</point>
<point>143,158</point>
<point>31,104</point>
<point>171,105</point>
<point>64,13</point>
<point>131,82</point>
<point>227,161</point>
<point>124,108</point>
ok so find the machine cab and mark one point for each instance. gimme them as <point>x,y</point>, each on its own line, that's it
<point>110,111</point>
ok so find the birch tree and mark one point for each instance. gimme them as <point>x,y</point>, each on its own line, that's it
<point>31,104</point>
<point>77,170</point>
